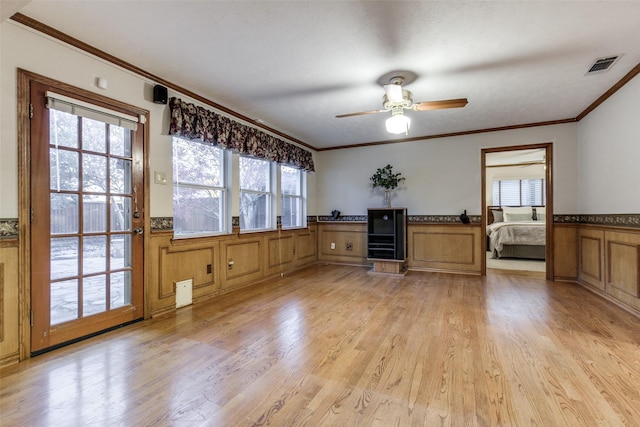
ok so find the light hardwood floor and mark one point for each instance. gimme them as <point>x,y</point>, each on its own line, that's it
<point>337,345</point>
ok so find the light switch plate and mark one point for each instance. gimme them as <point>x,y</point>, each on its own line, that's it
<point>160,178</point>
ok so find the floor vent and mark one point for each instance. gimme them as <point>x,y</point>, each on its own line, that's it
<point>184,293</point>
<point>602,64</point>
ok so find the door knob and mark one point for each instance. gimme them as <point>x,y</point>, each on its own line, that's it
<point>138,230</point>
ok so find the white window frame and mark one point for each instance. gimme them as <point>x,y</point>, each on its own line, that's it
<point>302,197</point>
<point>225,210</point>
<point>270,223</point>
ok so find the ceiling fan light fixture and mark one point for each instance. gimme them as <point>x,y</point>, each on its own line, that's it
<point>398,123</point>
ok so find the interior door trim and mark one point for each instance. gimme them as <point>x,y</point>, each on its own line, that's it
<point>548,146</point>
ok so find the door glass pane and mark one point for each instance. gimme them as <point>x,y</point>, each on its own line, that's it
<point>94,254</point>
<point>63,170</point>
<point>120,141</point>
<point>63,129</point>
<point>120,251</point>
<point>64,257</point>
<point>65,211</point>
<point>120,289</point>
<point>64,301</point>
<point>120,171</point>
<point>120,213</point>
<point>94,295</point>
<point>94,214</point>
<point>94,173</point>
<point>94,135</point>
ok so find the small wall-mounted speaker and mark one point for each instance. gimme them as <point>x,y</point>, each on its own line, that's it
<point>160,94</point>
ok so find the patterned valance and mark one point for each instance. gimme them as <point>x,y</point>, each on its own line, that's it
<point>196,123</point>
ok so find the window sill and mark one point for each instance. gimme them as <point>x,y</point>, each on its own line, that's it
<point>296,227</point>
<point>262,230</point>
<point>200,236</point>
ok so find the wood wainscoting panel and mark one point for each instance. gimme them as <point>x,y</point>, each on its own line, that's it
<point>451,247</point>
<point>183,263</point>
<point>242,260</point>
<point>622,257</point>
<point>281,251</point>
<point>306,246</point>
<point>349,240</point>
<point>158,298</point>
<point>254,257</point>
<point>565,251</point>
<point>173,260</point>
<point>591,259</point>
<point>9,303</point>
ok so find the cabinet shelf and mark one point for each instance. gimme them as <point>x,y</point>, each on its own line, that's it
<point>387,235</point>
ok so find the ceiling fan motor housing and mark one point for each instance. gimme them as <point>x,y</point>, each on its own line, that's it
<point>407,101</point>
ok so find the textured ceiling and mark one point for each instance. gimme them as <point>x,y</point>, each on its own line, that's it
<point>294,65</point>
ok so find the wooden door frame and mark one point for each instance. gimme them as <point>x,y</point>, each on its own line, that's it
<point>548,146</point>
<point>25,78</point>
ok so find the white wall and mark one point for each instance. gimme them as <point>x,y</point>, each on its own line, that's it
<point>27,49</point>
<point>443,175</point>
<point>609,154</point>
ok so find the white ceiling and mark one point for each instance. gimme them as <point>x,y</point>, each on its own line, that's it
<point>296,64</point>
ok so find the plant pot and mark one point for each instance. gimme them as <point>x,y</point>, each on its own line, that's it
<point>387,198</point>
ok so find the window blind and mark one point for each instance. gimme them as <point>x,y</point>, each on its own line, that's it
<point>83,109</point>
<point>519,192</point>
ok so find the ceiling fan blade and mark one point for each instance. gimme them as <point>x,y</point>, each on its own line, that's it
<point>362,113</point>
<point>440,105</point>
<point>394,92</point>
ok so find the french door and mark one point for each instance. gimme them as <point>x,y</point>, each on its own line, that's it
<point>86,217</point>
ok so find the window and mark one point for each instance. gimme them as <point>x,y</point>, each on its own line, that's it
<point>199,189</point>
<point>255,194</point>
<point>519,192</point>
<point>293,209</point>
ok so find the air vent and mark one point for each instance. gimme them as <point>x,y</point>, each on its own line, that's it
<point>602,64</point>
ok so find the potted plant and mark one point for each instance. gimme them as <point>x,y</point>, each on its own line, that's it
<point>385,178</point>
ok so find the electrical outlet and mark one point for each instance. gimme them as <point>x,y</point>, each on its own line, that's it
<point>349,246</point>
<point>208,268</point>
<point>333,245</point>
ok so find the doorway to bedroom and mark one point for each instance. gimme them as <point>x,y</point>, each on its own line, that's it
<point>517,208</point>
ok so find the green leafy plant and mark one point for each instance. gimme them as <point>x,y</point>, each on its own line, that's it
<point>384,177</point>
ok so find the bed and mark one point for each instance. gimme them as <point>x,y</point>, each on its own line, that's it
<point>516,232</point>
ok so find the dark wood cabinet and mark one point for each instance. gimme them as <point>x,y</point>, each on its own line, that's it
<point>387,239</point>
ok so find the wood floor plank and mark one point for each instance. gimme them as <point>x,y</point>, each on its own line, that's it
<point>337,345</point>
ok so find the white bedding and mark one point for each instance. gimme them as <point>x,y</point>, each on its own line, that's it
<point>516,233</point>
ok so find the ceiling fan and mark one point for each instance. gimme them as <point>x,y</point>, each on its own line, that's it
<point>396,99</point>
